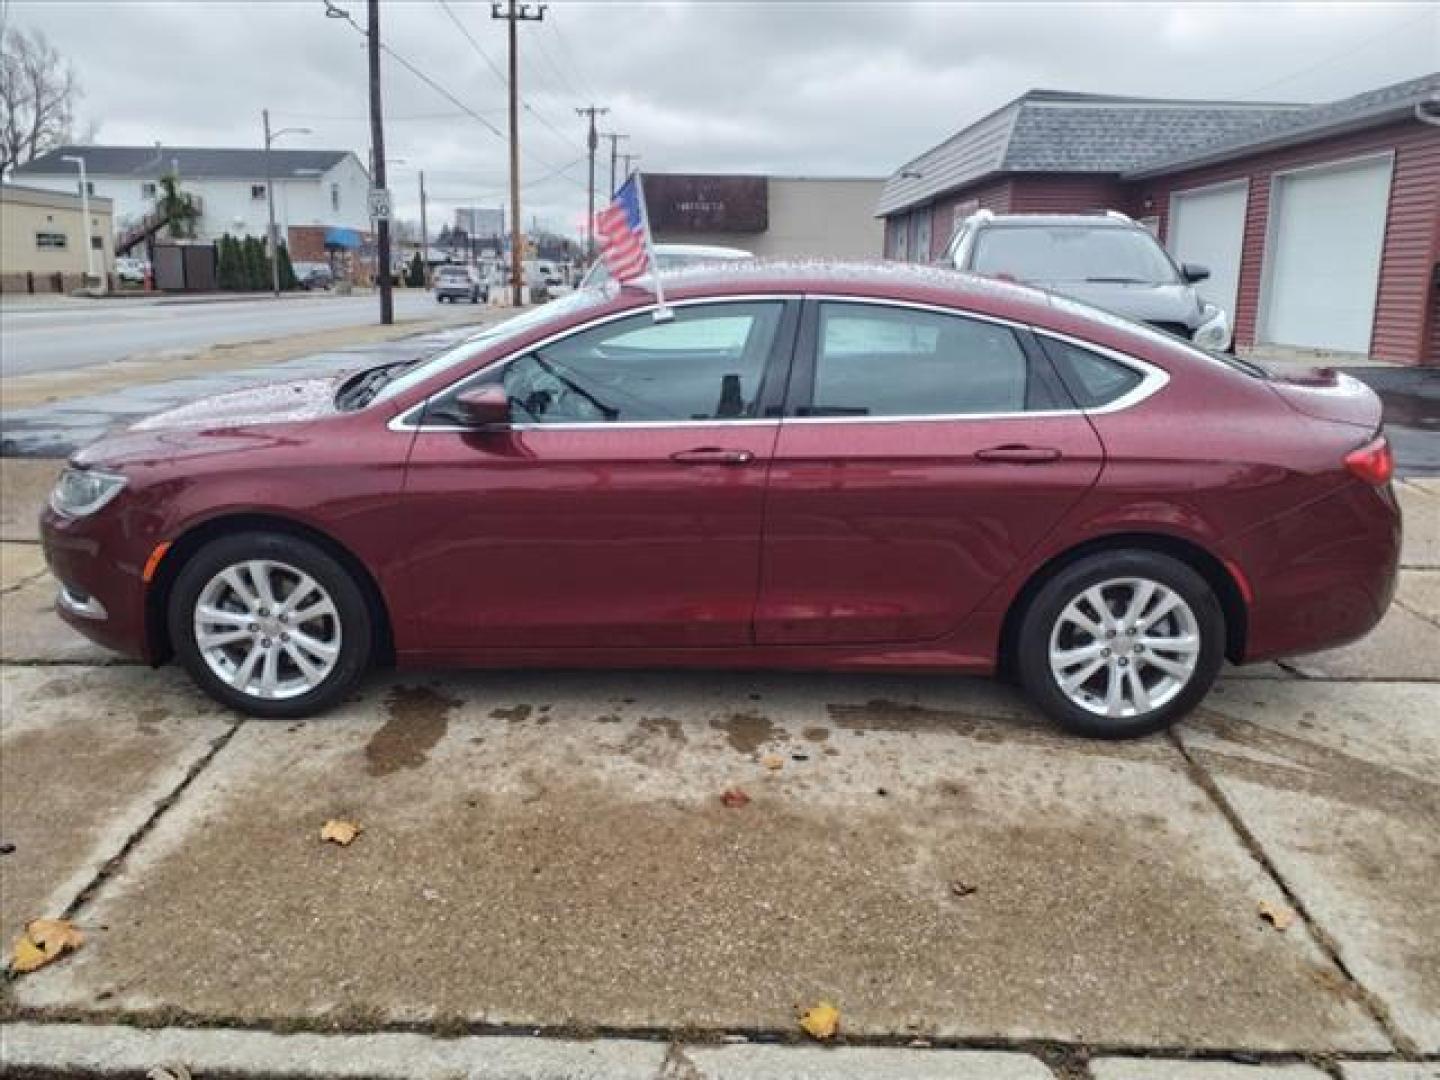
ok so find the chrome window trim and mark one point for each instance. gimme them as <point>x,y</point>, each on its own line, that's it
<point>1153,378</point>
<point>401,422</point>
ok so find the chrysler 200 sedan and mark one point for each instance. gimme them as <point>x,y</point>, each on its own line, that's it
<point>859,468</point>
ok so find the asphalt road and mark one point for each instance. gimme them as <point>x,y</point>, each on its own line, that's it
<point>64,334</point>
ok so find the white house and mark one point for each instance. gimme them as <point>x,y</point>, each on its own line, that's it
<point>313,188</point>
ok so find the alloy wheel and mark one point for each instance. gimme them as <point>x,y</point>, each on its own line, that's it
<point>1124,647</point>
<point>267,629</point>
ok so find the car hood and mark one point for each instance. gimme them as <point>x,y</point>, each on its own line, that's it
<point>221,423</point>
<point>1143,303</point>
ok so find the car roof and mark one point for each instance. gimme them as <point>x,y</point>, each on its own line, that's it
<point>709,251</point>
<point>1094,221</point>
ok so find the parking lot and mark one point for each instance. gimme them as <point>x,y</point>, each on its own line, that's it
<point>549,853</point>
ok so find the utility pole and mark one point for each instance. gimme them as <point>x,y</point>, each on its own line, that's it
<point>377,153</point>
<point>593,143</point>
<point>424,237</point>
<point>614,154</point>
<point>514,14</point>
<point>274,252</point>
<point>629,159</point>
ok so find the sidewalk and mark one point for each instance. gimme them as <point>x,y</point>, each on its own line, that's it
<point>547,853</point>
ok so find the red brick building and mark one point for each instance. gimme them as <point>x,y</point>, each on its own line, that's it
<point>1320,223</point>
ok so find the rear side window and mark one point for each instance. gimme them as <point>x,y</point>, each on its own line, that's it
<point>891,361</point>
<point>1092,379</point>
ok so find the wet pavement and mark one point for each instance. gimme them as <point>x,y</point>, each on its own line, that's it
<point>1411,397</point>
<point>61,428</point>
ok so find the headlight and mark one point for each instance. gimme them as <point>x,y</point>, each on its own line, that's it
<point>79,492</point>
<point>1214,331</point>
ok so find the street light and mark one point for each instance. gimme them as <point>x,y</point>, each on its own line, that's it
<point>270,137</point>
<point>85,214</point>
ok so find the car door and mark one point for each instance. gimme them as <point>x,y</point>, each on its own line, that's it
<point>622,506</point>
<point>922,454</point>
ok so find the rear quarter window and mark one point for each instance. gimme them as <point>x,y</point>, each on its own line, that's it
<point>1092,379</point>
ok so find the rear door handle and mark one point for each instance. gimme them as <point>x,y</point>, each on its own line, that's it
<point>712,455</point>
<point>1019,455</point>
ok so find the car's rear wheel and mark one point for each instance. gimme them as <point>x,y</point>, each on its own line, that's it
<point>270,624</point>
<point>1121,644</point>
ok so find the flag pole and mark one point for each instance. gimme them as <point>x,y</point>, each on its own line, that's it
<point>662,313</point>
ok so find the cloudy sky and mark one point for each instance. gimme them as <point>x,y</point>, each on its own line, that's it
<point>812,88</point>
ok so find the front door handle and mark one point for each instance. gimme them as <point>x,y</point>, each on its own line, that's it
<point>712,455</point>
<point>1019,455</point>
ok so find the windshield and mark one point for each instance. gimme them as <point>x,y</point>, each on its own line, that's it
<point>1073,253</point>
<point>556,311</point>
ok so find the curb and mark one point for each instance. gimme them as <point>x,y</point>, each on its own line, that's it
<point>82,1049</point>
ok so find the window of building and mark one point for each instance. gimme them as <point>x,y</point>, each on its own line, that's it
<point>148,190</point>
<point>891,361</point>
<point>52,241</point>
<point>257,191</point>
<point>90,187</point>
<point>334,196</point>
<point>98,243</point>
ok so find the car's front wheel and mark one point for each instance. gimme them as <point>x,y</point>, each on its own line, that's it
<point>270,624</point>
<point>1121,644</point>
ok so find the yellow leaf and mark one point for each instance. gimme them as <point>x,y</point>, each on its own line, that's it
<point>44,940</point>
<point>340,832</point>
<point>821,1022</point>
<point>1277,915</point>
<point>773,761</point>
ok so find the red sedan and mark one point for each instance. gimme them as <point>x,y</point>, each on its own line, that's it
<point>859,468</point>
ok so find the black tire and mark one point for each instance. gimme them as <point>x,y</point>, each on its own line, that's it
<point>356,628</point>
<point>1032,643</point>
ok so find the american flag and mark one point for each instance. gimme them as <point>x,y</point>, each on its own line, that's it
<point>621,228</point>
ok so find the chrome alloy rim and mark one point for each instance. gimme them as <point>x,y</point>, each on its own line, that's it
<point>267,629</point>
<point>1124,647</point>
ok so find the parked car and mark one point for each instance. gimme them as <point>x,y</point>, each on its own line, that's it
<point>460,283</point>
<point>130,270</point>
<point>1103,259</point>
<point>850,467</point>
<point>669,257</point>
<point>315,276</point>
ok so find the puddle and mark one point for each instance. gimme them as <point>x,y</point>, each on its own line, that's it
<point>882,715</point>
<point>417,721</point>
<point>746,732</point>
<point>515,714</point>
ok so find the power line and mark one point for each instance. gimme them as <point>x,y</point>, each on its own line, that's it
<point>1349,50</point>
<point>585,84</point>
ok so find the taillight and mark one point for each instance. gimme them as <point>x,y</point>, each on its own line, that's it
<point>1372,462</point>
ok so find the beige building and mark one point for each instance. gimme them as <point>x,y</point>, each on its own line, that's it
<point>775,216</point>
<point>42,240</point>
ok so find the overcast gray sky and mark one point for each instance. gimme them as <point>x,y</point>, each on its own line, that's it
<point>790,88</point>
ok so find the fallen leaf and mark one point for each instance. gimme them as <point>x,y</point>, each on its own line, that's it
<point>773,761</point>
<point>174,1071</point>
<point>734,798</point>
<point>1277,915</point>
<point>963,888</point>
<point>44,940</point>
<point>821,1022</point>
<point>340,832</point>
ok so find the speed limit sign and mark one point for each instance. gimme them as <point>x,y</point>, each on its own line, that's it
<point>379,203</point>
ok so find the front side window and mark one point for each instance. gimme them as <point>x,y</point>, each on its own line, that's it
<point>1073,253</point>
<point>257,191</point>
<point>707,363</point>
<point>147,190</point>
<point>334,196</point>
<point>890,361</point>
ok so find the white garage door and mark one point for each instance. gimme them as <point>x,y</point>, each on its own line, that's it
<point>1208,227</point>
<point>1327,229</point>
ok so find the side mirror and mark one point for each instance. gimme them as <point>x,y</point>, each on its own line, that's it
<point>1193,272</point>
<point>485,407</point>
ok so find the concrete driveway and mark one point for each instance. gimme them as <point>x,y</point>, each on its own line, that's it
<point>548,854</point>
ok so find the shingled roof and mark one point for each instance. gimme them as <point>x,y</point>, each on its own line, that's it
<point>194,162</point>
<point>1393,102</point>
<point>1055,131</point>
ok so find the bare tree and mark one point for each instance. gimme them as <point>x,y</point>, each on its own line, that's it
<point>38,92</point>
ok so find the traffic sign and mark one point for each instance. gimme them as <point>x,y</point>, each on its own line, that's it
<point>379,203</point>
